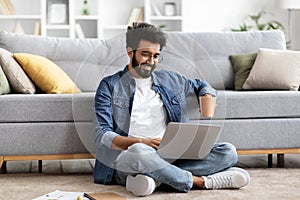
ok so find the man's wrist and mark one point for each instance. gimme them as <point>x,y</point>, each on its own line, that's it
<point>139,140</point>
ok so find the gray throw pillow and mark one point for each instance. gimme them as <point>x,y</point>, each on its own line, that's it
<point>17,78</point>
<point>4,85</point>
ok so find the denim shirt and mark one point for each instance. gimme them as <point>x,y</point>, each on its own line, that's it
<point>113,105</point>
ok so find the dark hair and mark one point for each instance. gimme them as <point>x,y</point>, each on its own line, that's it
<point>144,31</point>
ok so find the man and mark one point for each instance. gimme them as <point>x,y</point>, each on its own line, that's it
<point>132,110</point>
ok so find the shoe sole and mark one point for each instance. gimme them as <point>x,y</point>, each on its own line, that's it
<point>140,185</point>
<point>244,172</point>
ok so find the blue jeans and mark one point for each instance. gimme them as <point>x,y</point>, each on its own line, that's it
<point>143,159</point>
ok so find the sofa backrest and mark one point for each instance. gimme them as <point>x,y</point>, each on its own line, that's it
<point>203,55</point>
<point>86,61</point>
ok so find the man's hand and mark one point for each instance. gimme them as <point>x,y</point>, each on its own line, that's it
<point>153,142</point>
<point>122,142</point>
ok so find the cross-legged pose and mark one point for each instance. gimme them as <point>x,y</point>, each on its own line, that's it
<point>132,110</point>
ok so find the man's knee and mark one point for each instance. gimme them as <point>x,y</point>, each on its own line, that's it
<point>138,152</point>
<point>229,151</point>
<point>140,148</point>
<point>136,159</point>
<point>232,153</point>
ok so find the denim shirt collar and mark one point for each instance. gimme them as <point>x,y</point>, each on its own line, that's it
<point>127,77</point>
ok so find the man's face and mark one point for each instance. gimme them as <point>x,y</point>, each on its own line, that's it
<point>145,58</point>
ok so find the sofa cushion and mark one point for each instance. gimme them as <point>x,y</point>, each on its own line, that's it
<point>275,69</point>
<point>47,108</point>
<point>4,85</point>
<point>242,65</point>
<point>252,104</point>
<point>270,133</point>
<point>17,78</point>
<point>45,74</point>
<point>45,138</point>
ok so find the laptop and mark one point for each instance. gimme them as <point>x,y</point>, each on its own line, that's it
<point>188,140</point>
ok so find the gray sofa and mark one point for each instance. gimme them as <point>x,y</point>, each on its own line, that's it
<point>60,126</point>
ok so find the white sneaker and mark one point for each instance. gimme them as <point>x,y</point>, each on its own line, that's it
<point>140,185</point>
<point>233,178</point>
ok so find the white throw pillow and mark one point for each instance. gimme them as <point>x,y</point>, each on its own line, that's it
<point>275,69</point>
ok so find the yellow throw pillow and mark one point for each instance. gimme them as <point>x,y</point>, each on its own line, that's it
<point>45,74</point>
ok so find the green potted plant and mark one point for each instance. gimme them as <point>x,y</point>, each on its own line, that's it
<point>258,24</point>
<point>255,22</point>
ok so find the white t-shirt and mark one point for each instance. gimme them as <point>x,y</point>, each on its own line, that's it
<point>148,115</point>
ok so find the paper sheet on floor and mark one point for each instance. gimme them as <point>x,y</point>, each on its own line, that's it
<point>61,195</point>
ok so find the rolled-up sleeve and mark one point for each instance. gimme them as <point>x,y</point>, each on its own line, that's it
<point>208,90</point>
<point>107,138</point>
<point>200,87</point>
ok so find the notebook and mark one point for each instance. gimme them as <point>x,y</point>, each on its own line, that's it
<point>188,140</point>
<point>104,196</point>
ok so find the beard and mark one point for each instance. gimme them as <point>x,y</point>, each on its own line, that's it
<point>144,70</point>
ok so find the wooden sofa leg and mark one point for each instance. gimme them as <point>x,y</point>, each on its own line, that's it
<point>280,160</point>
<point>270,160</point>
<point>3,167</point>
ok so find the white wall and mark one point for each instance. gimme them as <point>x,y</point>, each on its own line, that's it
<point>222,15</point>
<point>295,29</point>
<point>214,15</point>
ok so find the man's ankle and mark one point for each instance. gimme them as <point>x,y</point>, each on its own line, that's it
<point>198,182</point>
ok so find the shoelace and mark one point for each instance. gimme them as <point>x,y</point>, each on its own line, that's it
<point>221,182</point>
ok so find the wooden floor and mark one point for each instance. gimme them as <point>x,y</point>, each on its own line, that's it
<point>86,165</point>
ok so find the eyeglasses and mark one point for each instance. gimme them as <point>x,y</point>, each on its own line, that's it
<point>146,55</point>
